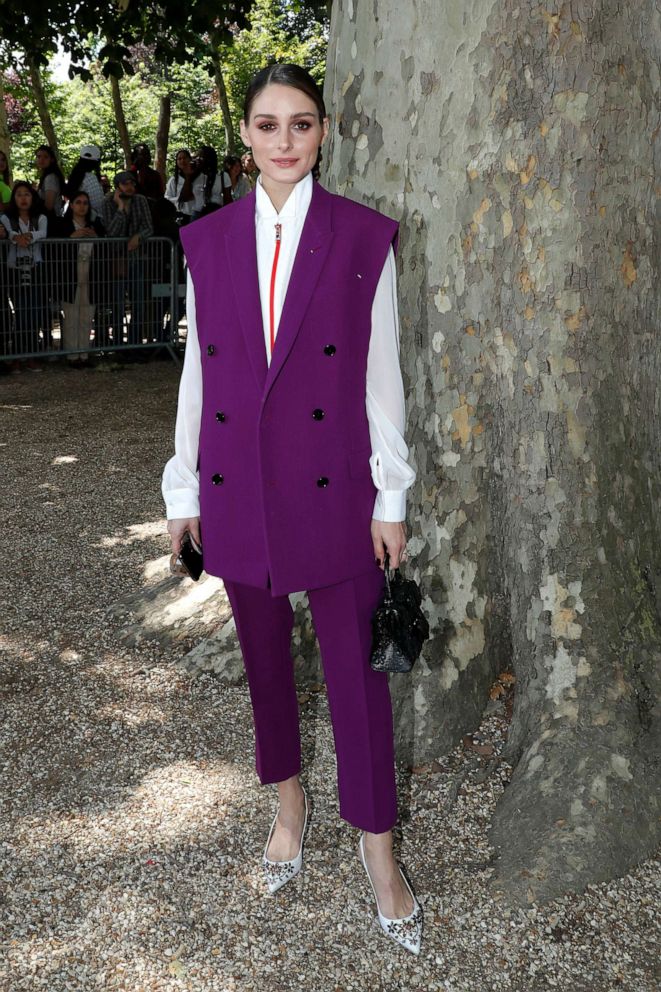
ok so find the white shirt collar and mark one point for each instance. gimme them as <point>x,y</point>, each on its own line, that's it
<point>296,205</point>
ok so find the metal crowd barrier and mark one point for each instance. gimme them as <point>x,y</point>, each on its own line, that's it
<point>68,296</point>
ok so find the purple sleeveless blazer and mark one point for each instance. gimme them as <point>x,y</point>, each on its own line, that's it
<point>286,493</point>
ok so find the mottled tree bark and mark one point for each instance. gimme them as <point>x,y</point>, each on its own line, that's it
<point>120,118</point>
<point>41,103</point>
<point>518,143</point>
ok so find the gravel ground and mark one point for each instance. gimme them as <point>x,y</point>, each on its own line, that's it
<point>132,821</point>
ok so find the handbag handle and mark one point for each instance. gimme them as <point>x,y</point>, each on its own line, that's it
<point>388,577</point>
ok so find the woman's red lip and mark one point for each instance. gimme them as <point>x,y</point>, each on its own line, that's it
<point>284,161</point>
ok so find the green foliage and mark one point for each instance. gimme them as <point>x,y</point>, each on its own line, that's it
<point>82,111</point>
<point>267,40</point>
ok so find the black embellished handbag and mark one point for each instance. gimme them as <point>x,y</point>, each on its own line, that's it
<point>399,627</point>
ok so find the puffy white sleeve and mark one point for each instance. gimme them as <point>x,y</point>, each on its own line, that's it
<point>180,485</point>
<point>391,473</point>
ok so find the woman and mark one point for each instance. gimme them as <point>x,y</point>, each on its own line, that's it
<point>240,185</point>
<point>77,275</point>
<point>217,186</point>
<point>298,430</point>
<point>185,187</point>
<point>51,181</point>
<point>25,223</point>
<point>86,176</point>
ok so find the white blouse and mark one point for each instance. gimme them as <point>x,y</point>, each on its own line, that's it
<point>384,400</point>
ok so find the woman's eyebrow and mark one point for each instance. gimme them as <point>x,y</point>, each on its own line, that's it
<point>273,117</point>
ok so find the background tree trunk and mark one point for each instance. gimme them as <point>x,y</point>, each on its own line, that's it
<point>5,137</point>
<point>122,128</point>
<point>223,101</point>
<point>163,135</point>
<point>41,103</point>
<point>520,148</point>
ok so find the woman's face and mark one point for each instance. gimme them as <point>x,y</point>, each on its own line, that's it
<point>42,159</point>
<point>285,133</point>
<point>80,206</point>
<point>183,159</point>
<point>23,198</point>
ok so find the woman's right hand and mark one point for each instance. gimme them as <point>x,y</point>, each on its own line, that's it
<point>177,528</point>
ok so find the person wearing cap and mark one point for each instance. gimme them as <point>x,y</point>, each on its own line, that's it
<point>86,176</point>
<point>149,182</point>
<point>126,214</point>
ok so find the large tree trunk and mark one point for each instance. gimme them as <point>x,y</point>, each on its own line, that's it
<point>223,101</point>
<point>122,128</point>
<point>163,134</point>
<point>520,148</point>
<point>41,103</point>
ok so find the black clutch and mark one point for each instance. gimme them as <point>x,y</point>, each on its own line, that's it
<point>189,561</point>
<point>399,627</point>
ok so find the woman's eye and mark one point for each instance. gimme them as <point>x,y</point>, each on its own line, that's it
<point>266,127</point>
<point>302,125</point>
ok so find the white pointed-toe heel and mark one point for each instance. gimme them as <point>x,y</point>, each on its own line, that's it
<point>406,931</point>
<point>278,873</point>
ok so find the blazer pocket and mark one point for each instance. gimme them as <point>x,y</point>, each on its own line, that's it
<point>359,463</point>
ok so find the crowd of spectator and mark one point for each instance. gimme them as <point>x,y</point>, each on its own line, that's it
<point>84,284</point>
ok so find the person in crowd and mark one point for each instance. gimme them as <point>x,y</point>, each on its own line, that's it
<point>51,184</point>
<point>217,185</point>
<point>86,175</point>
<point>126,214</point>
<point>240,184</point>
<point>26,226</point>
<point>5,312</point>
<point>148,181</point>
<point>5,186</point>
<point>105,184</point>
<point>185,188</point>
<point>77,274</point>
<point>290,463</point>
<point>249,168</point>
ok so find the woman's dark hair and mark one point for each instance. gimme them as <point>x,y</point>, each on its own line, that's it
<point>52,169</point>
<point>11,210</point>
<point>78,173</point>
<point>210,169</point>
<point>4,173</point>
<point>286,74</point>
<point>74,196</point>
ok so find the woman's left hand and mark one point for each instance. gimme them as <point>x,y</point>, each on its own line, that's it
<point>390,537</point>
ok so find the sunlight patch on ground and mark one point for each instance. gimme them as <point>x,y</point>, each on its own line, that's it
<point>135,532</point>
<point>64,460</point>
<point>169,806</point>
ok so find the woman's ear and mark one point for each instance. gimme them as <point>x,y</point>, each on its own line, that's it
<point>325,126</point>
<point>244,133</point>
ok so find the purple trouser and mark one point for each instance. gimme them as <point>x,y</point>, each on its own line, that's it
<point>358,698</point>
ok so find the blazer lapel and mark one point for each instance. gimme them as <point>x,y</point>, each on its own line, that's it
<point>241,249</point>
<point>313,248</point>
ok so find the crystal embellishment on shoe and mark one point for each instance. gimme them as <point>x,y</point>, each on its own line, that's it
<point>278,873</point>
<point>407,931</point>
